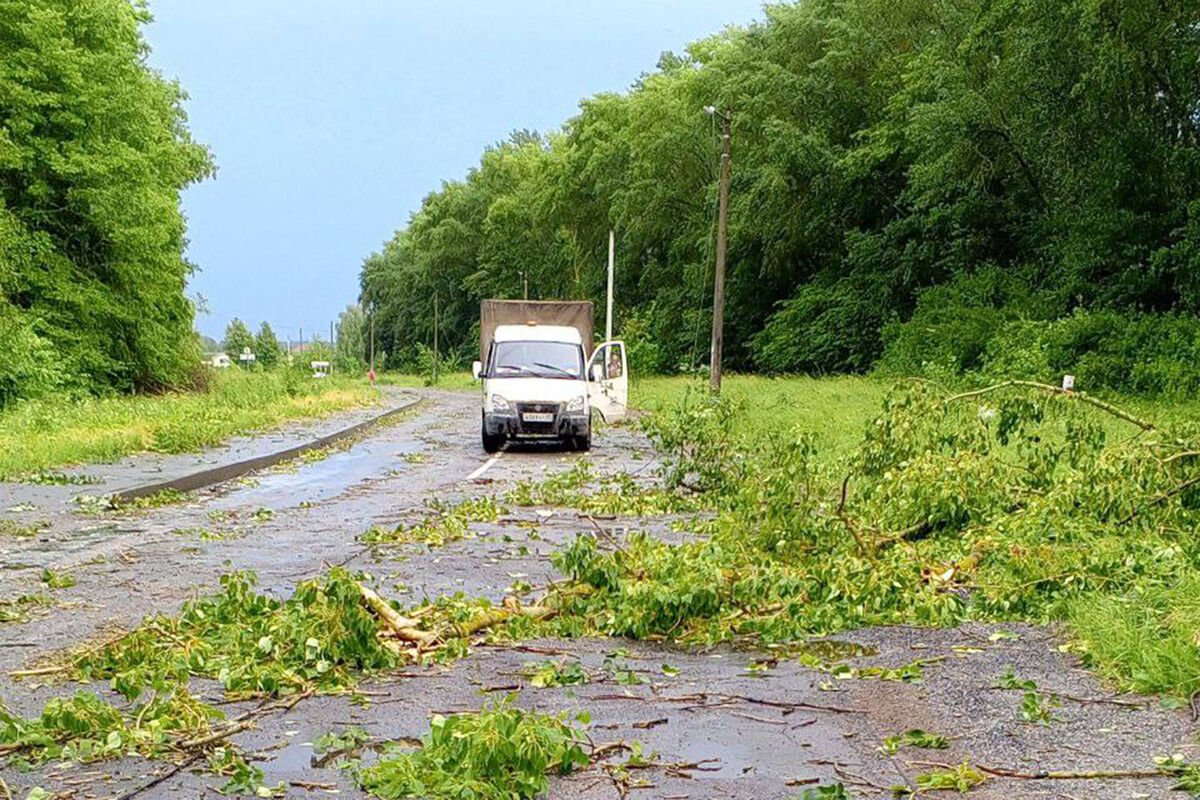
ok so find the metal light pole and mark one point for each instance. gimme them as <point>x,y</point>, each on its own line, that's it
<point>608,318</point>
<point>718,323</point>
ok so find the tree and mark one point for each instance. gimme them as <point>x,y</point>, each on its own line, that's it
<point>352,339</point>
<point>266,347</point>
<point>94,152</point>
<point>238,339</point>
<point>881,149</point>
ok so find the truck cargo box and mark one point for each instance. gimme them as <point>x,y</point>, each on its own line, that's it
<point>577,314</point>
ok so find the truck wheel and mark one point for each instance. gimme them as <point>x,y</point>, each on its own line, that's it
<point>584,443</point>
<point>490,443</point>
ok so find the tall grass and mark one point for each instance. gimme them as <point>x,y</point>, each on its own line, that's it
<point>459,381</point>
<point>835,411</point>
<point>1145,641</point>
<point>54,432</point>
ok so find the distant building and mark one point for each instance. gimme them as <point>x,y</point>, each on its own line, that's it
<point>221,361</point>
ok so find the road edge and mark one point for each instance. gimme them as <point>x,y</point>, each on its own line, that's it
<point>224,472</point>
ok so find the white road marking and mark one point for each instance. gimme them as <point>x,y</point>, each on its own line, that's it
<point>486,466</point>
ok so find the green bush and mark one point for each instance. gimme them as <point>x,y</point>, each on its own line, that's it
<point>1152,354</point>
<point>988,327</point>
<point>950,329</point>
<point>827,327</point>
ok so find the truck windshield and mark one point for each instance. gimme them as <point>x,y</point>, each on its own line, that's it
<point>537,360</point>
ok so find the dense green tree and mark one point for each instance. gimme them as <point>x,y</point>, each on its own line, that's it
<point>881,148</point>
<point>266,347</point>
<point>93,155</point>
<point>351,339</point>
<point>238,339</point>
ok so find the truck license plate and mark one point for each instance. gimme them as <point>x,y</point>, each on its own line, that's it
<point>532,416</point>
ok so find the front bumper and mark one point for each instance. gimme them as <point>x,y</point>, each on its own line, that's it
<point>513,424</point>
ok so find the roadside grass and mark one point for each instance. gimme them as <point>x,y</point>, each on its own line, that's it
<point>456,381</point>
<point>1144,641</point>
<point>41,435</point>
<point>835,411</point>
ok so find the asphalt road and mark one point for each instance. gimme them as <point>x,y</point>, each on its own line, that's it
<point>758,734</point>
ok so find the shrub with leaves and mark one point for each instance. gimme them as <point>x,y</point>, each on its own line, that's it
<point>498,753</point>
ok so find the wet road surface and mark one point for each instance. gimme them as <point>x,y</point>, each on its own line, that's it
<point>760,734</point>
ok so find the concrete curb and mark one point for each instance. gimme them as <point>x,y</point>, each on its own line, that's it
<point>225,472</point>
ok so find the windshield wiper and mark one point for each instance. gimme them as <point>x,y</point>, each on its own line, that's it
<point>566,372</point>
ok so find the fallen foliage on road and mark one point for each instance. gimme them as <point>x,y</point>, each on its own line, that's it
<point>1015,502</point>
<point>498,753</point>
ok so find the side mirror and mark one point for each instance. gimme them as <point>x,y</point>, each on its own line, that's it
<point>594,372</point>
<point>477,370</point>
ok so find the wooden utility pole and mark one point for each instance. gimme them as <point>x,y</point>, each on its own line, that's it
<point>718,323</point>
<point>372,338</point>
<point>435,337</point>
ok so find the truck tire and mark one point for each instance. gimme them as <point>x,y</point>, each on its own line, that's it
<point>490,443</point>
<point>584,443</point>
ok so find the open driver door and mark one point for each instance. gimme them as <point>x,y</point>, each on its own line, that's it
<point>608,381</point>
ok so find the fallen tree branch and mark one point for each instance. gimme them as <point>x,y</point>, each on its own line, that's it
<point>1055,775</point>
<point>1058,390</point>
<point>403,627</point>
<point>1162,498</point>
<point>1084,775</point>
<point>850,526</point>
<point>172,772</point>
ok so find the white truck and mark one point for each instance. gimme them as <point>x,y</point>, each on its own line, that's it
<point>542,379</point>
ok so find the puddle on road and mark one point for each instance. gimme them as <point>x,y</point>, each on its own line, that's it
<point>327,478</point>
<point>47,553</point>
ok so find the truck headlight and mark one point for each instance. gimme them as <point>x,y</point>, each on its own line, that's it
<point>575,404</point>
<point>500,405</point>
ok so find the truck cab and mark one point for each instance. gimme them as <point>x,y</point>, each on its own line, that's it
<point>540,384</point>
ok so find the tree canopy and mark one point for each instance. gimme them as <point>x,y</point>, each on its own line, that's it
<point>1038,157</point>
<point>238,339</point>
<point>266,347</point>
<point>94,152</point>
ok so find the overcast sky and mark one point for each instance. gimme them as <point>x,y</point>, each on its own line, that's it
<point>330,119</point>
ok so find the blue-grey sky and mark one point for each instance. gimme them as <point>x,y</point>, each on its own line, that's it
<point>330,119</point>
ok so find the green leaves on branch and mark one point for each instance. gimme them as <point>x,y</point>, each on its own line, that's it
<point>499,753</point>
<point>1013,503</point>
<point>322,636</point>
